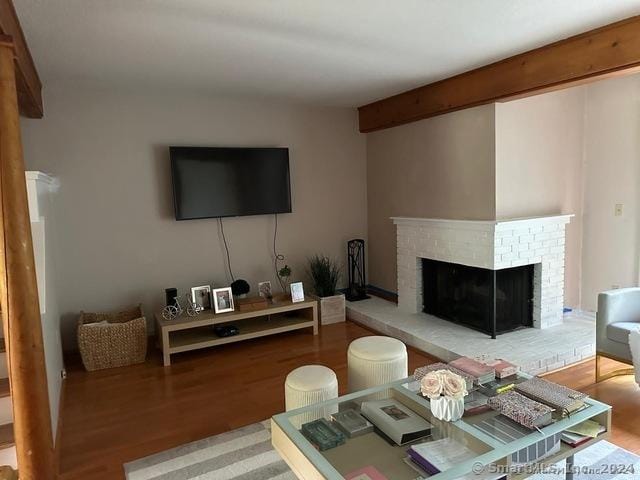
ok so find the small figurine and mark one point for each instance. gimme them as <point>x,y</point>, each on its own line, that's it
<point>169,312</point>
<point>192,308</point>
<point>172,311</point>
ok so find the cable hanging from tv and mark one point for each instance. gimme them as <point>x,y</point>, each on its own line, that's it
<point>277,257</point>
<point>226,247</point>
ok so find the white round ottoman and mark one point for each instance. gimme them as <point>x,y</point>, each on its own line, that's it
<point>375,361</point>
<point>308,385</point>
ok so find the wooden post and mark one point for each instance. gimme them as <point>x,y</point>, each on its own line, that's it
<point>601,53</point>
<point>19,291</point>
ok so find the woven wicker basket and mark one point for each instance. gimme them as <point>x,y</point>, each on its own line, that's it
<point>108,340</point>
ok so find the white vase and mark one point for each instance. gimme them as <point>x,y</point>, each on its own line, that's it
<point>448,409</point>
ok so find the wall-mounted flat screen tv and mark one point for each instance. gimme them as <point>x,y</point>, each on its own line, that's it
<point>213,182</point>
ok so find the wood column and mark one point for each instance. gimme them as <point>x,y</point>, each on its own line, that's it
<point>19,291</point>
<point>601,53</point>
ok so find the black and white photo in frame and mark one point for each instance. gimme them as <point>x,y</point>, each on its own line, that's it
<point>297,292</point>
<point>201,297</point>
<point>223,300</point>
<point>264,289</point>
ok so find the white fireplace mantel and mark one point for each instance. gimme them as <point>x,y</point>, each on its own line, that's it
<point>491,244</point>
<point>484,224</point>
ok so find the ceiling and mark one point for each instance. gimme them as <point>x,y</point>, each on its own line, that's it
<point>324,52</point>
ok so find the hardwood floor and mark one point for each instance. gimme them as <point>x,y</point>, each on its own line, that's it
<point>622,393</point>
<point>115,416</point>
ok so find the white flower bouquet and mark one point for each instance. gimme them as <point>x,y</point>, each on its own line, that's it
<point>441,383</point>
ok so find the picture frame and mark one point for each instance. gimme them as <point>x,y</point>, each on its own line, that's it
<point>264,289</point>
<point>297,292</point>
<point>201,297</point>
<point>223,300</point>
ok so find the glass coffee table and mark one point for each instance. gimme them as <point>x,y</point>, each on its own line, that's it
<point>494,453</point>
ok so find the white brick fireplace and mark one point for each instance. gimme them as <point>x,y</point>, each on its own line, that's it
<point>493,245</point>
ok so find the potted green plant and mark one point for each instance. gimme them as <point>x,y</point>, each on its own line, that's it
<point>325,273</point>
<point>285,274</point>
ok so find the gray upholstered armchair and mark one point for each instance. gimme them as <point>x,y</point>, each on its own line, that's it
<point>618,315</point>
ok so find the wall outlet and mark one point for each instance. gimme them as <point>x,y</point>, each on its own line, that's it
<point>618,210</point>
<point>615,287</point>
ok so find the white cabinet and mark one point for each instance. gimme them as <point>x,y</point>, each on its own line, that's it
<point>39,185</point>
<point>40,193</point>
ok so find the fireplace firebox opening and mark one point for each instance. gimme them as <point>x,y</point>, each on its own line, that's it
<point>492,301</point>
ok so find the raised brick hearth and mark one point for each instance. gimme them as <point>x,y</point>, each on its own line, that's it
<point>535,351</point>
<point>494,245</point>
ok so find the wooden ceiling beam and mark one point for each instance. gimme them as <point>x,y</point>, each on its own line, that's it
<point>28,82</point>
<point>605,51</point>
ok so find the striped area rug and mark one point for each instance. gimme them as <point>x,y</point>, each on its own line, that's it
<point>243,454</point>
<point>599,462</point>
<point>247,454</point>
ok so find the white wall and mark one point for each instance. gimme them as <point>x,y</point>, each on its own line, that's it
<point>441,167</point>
<point>118,241</point>
<point>578,151</point>
<point>571,151</point>
<point>612,175</point>
<point>539,157</point>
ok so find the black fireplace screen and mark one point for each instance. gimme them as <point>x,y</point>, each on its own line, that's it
<point>465,295</point>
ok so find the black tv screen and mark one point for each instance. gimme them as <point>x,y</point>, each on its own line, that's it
<point>227,182</point>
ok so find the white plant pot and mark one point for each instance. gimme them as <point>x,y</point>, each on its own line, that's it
<point>332,309</point>
<point>448,409</point>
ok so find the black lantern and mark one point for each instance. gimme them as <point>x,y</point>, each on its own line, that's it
<point>357,280</point>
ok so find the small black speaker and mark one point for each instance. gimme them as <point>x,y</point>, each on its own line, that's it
<point>170,295</point>
<point>226,330</point>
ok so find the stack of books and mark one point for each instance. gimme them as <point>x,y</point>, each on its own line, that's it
<point>583,432</point>
<point>523,410</point>
<point>475,402</point>
<point>396,421</point>
<point>352,423</point>
<point>440,455</point>
<point>564,400</point>
<point>479,371</point>
<point>575,440</point>
<point>322,434</point>
<point>503,368</point>
<point>497,387</point>
<point>420,372</point>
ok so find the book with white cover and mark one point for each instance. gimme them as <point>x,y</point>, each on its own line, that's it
<point>446,453</point>
<point>395,420</point>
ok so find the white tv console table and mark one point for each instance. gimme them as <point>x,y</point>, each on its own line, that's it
<point>185,333</point>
